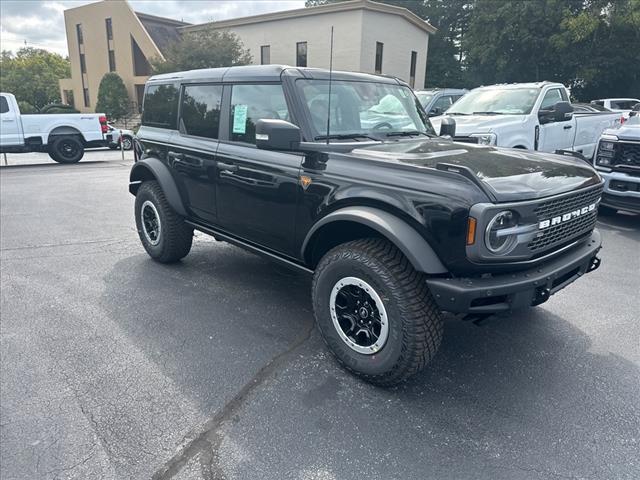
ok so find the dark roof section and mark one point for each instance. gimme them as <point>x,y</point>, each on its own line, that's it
<point>265,73</point>
<point>163,31</point>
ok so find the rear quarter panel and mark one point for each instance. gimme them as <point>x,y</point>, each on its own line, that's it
<point>589,127</point>
<point>88,125</point>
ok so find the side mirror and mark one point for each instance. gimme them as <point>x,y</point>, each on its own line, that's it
<point>448,127</point>
<point>272,134</point>
<point>563,111</point>
<point>560,112</point>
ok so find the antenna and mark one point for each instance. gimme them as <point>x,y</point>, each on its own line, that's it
<point>330,80</point>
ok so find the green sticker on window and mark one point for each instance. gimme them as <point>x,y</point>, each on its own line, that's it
<point>240,119</point>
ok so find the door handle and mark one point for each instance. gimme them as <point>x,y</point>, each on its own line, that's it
<point>7,121</point>
<point>176,156</point>
<point>227,167</point>
<point>567,127</point>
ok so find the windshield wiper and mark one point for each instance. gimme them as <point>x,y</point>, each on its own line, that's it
<point>407,133</point>
<point>345,136</point>
<point>488,113</point>
<point>455,113</point>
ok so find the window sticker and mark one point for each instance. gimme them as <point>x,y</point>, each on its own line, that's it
<point>240,119</point>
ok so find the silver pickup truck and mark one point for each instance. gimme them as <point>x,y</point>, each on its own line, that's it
<point>618,162</point>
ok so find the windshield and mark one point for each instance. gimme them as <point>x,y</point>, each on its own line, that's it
<point>362,109</point>
<point>501,101</point>
<point>424,98</point>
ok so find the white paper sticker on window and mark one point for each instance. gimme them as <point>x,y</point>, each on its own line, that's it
<point>240,119</point>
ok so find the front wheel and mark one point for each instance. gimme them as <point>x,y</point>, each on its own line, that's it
<point>163,233</point>
<point>375,311</point>
<point>66,150</point>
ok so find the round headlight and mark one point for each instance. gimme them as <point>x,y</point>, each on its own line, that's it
<point>496,239</point>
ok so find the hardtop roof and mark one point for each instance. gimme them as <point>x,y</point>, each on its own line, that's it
<point>264,73</point>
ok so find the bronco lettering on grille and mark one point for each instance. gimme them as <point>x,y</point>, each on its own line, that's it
<point>566,217</point>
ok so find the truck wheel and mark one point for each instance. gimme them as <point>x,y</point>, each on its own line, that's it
<point>163,233</point>
<point>127,143</point>
<point>66,150</point>
<point>375,311</point>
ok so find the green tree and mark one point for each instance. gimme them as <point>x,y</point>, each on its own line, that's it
<point>32,75</point>
<point>113,99</point>
<point>205,48</point>
<point>589,45</point>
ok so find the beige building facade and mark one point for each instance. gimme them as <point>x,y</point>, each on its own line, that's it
<point>109,36</point>
<point>368,37</point>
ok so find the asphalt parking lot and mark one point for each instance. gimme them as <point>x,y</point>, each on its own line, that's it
<point>116,367</point>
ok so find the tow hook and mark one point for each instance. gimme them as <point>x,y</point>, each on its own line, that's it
<point>542,295</point>
<point>595,263</point>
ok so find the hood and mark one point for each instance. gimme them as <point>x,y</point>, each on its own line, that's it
<point>629,131</point>
<point>468,124</point>
<point>506,174</point>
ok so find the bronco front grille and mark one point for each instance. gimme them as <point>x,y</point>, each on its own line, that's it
<point>627,154</point>
<point>566,231</point>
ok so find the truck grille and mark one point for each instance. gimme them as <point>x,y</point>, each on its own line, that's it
<point>569,230</point>
<point>627,154</point>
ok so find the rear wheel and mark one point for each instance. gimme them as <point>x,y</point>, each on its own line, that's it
<point>127,143</point>
<point>375,311</point>
<point>66,150</point>
<point>163,233</point>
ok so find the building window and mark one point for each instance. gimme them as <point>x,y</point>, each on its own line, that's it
<point>141,65</point>
<point>79,34</point>
<point>112,61</point>
<point>200,110</point>
<point>85,92</point>
<point>83,64</point>
<point>379,47</point>
<point>265,55</point>
<point>109,27</point>
<point>68,98</point>
<point>301,54</point>
<point>412,69</point>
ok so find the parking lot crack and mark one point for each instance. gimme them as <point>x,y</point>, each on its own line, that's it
<point>208,442</point>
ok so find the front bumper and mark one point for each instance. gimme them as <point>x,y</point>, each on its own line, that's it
<point>511,291</point>
<point>621,191</point>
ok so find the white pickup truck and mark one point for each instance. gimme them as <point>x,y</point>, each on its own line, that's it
<point>63,136</point>
<point>534,116</point>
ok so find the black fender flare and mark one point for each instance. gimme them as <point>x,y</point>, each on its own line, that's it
<point>397,231</point>
<point>152,168</point>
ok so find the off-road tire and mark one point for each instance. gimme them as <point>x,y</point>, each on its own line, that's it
<point>415,324</point>
<point>175,238</point>
<point>66,149</point>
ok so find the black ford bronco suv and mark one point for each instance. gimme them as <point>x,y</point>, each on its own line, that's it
<point>342,176</point>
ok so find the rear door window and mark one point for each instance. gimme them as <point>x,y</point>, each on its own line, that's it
<point>200,110</point>
<point>250,103</point>
<point>160,107</point>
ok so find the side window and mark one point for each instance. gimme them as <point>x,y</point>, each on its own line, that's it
<point>4,105</point>
<point>442,103</point>
<point>200,110</point>
<point>253,102</point>
<point>552,97</point>
<point>160,106</point>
